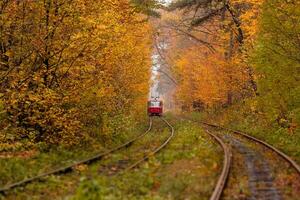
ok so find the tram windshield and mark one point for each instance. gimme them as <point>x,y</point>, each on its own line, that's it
<point>154,104</point>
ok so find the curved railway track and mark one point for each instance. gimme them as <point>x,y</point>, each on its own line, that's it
<point>227,161</point>
<point>255,176</point>
<point>254,139</point>
<point>220,186</point>
<point>99,157</point>
<point>70,167</point>
<point>216,195</point>
<point>157,149</point>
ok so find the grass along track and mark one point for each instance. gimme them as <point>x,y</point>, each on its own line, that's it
<point>217,193</point>
<point>156,150</point>
<point>260,181</point>
<point>221,183</point>
<point>72,166</point>
<point>145,147</point>
<point>171,174</point>
<point>260,173</point>
<point>253,139</point>
<point>186,169</point>
<point>141,151</point>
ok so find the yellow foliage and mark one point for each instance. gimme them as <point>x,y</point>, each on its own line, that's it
<point>210,61</point>
<point>89,62</point>
<point>201,79</point>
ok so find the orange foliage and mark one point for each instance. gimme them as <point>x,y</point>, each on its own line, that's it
<point>208,61</point>
<point>65,66</point>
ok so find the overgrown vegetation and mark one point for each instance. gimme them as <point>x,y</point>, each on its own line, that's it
<point>277,61</point>
<point>71,70</point>
<point>74,79</point>
<point>239,59</point>
<point>187,168</point>
<point>20,165</point>
<point>242,117</point>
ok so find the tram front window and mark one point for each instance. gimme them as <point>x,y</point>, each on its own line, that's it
<point>155,104</point>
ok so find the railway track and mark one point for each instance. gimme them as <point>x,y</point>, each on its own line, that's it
<point>141,153</point>
<point>253,164</point>
<point>259,175</point>
<point>217,193</point>
<point>156,150</point>
<point>100,156</point>
<point>254,139</point>
<point>263,176</point>
<point>70,167</point>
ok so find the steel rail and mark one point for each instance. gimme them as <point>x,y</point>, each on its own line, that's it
<point>220,186</point>
<point>216,195</point>
<point>165,143</point>
<point>245,135</point>
<point>71,166</point>
<point>217,192</point>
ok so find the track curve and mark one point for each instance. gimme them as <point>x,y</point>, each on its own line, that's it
<point>245,135</point>
<point>223,178</point>
<point>159,148</point>
<point>220,186</point>
<point>70,167</point>
<point>216,195</point>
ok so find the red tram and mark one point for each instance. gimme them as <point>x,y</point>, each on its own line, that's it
<point>155,107</point>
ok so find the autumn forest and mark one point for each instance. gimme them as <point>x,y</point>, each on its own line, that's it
<point>76,75</point>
